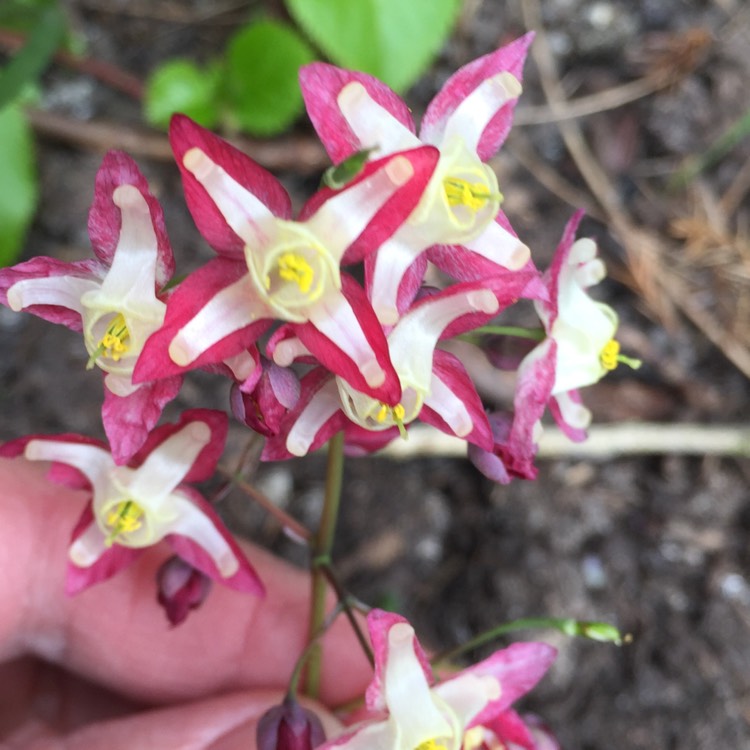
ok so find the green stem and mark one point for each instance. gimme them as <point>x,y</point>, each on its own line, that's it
<point>597,631</point>
<point>321,553</point>
<point>535,334</point>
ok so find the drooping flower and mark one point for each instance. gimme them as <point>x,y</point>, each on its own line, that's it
<point>273,268</point>
<point>180,588</point>
<point>115,299</point>
<point>137,505</point>
<point>459,215</point>
<point>435,387</point>
<point>579,348</point>
<point>413,713</point>
<point>289,726</point>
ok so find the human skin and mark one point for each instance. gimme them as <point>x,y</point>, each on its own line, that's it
<point>104,669</point>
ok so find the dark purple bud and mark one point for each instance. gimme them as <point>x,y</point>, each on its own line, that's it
<point>181,587</point>
<point>288,726</point>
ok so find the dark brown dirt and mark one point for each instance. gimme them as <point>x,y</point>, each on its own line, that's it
<point>657,545</point>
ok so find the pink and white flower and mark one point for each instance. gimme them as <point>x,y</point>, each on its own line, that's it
<point>273,268</point>
<point>578,350</point>
<point>413,713</point>
<point>435,386</point>
<point>115,299</point>
<point>459,215</point>
<point>137,505</point>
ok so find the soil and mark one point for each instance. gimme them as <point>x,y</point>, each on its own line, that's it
<point>657,545</point>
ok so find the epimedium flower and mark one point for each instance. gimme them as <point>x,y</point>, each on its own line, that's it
<point>435,387</point>
<point>578,349</point>
<point>115,299</point>
<point>272,268</point>
<point>414,713</point>
<point>137,505</point>
<point>458,217</point>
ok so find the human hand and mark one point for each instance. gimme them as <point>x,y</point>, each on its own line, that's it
<point>105,670</point>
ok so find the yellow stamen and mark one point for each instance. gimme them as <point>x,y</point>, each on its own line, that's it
<point>114,343</point>
<point>397,414</point>
<point>293,267</point>
<point>431,745</point>
<point>474,195</point>
<point>609,355</point>
<point>125,518</point>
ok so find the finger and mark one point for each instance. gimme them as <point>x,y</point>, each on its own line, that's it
<point>114,633</point>
<point>225,723</point>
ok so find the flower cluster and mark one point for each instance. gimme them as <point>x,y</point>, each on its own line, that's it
<point>324,323</point>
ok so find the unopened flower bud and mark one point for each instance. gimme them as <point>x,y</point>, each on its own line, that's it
<point>181,587</point>
<point>288,726</point>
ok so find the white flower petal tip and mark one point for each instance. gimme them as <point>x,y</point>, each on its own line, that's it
<point>34,450</point>
<point>576,415</point>
<point>399,170</point>
<point>179,352</point>
<point>228,565</point>
<point>128,196</point>
<point>15,298</point>
<point>197,163</point>
<point>387,315</point>
<point>399,633</point>
<point>509,84</point>
<point>518,257</point>
<point>351,95</point>
<point>81,556</point>
<point>492,688</point>
<point>582,251</point>
<point>590,273</point>
<point>373,373</point>
<point>199,432</point>
<point>483,300</point>
<point>288,350</point>
<point>297,446</point>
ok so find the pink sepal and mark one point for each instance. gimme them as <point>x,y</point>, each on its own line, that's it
<point>559,260</point>
<point>185,134</point>
<point>379,623</point>
<point>510,59</point>
<point>321,84</point>
<point>489,462</point>
<point>109,563</point>
<point>205,462</point>
<point>105,218</point>
<point>361,442</point>
<point>264,408</point>
<point>331,354</point>
<point>44,268</point>
<point>509,728</point>
<point>576,434</point>
<point>128,419</point>
<point>448,368</point>
<point>187,300</point>
<point>245,579</point>
<point>518,668</point>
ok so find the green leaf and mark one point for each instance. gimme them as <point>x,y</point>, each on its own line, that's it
<point>18,183</point>
<point>394,40</point>
<point>181,86</point>
<point>29,62</point>
<point>261,90</point>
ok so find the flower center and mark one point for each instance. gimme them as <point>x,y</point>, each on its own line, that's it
<point>431,745</point>
<point>114,343</point>
<point>609,354</point>
<point>124,518</point>
<point>293,267</point>
<point>473,195</point>
<point>396,413</point>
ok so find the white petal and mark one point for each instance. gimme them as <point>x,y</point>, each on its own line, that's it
<point>407,695</point>
<point>195,525</point>
<point>498,245</point>
<point>321,407</point>
<point>288,350</point>
<point>64,291</point>
<point>374,126</point>
<point>474,113</point>
<point>230,310</point>
<point>91,460</point>
<point>247,215</point>
<point>573,413</point>
<point>450,407</point>
<point>89,546</point>
<point>166,466</point>
<point>468,694</point>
